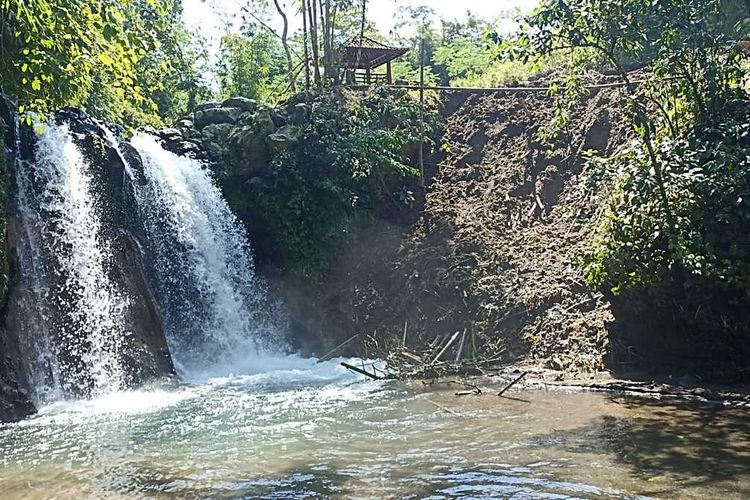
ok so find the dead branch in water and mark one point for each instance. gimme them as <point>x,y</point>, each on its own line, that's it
<point>512,383</point>
<point>373,376</point>
<point>337,349</point>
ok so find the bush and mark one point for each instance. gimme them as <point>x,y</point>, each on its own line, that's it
<point>707,176</point>
<point>350,165</point>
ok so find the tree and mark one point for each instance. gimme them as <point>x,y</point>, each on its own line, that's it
<point>677,212</point>
<point>250,63</point>
<point>285,44</point>
<point>59,53</point>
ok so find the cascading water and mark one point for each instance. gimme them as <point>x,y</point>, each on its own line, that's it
<point>75,326</point>
<point>218,316</point>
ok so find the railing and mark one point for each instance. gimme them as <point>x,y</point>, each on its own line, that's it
<point>374,79</point>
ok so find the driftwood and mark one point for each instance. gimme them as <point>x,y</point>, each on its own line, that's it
<point>445,348</point>
<point>373,376</point>
<point>512,383</point>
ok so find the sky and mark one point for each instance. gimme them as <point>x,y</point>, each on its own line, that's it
<point>210,17</point>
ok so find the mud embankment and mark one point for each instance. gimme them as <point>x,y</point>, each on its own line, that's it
<point>505,216</point>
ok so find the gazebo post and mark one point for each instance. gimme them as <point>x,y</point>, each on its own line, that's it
<point>388,73</point>
<point>368,76</point>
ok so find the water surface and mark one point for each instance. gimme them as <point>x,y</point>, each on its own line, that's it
<point>310,430</point>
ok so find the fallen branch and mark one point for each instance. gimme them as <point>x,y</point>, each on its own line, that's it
<point>512,383</point>
<point>444,408</point>
<point>453,338</point>
<point>361,371</point>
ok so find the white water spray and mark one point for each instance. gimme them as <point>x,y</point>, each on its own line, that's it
<point>217,313</point>
<point>83,313</point>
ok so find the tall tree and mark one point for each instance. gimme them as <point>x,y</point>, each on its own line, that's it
<point>285,45</point>
<point>305,43</point>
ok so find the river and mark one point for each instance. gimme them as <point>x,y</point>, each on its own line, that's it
<point>310,430</point>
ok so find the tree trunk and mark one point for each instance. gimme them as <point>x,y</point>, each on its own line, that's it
<point>362,31</point>
<point>305,43</point>
<point>325,19</point>
<point>285,44</point>
<point>334,51</point>
<point>312,10</point>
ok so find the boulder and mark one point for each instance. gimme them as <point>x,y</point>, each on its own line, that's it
<point>207,105</point>
<point>280,117</point>
<point>185,126</point>
<point>299,114</point>
<point>216,115</point>
<point>187,148</point>
<point>248,147</point>
<point>245,104</point>
<point>284,140</point>
<point>170,135</point>
<point>264,122</point>
<point>217,132</point>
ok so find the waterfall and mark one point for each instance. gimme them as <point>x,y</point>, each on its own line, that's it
<point>217,313</point>
<point>70,311</point>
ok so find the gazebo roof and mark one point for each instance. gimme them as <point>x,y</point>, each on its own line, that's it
<point>365,53</point>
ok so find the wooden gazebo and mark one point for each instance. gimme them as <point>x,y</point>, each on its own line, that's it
<point>363,53</point>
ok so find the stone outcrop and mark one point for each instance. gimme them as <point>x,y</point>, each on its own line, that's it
<point>15,402</point>
<point>239,133</point>
<point>144,354</point>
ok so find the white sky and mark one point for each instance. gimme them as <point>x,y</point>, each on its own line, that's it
<point>211,17</point>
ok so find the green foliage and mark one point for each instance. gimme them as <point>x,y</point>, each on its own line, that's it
<point>348,166</point>
<point>251,65</point>
<point>113,55</point>
<point>708,180</point>
<point>678,214</point>
<point>460,54</point>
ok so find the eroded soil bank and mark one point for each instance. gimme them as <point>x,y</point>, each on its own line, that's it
<point>505,216</point>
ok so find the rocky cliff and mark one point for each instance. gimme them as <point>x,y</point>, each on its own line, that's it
<point>15,402</point>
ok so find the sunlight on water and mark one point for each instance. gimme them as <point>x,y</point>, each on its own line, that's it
<point>315,430</point>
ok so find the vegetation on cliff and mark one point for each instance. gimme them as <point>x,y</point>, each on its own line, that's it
<point>345,158</point>
<point>678,211</point>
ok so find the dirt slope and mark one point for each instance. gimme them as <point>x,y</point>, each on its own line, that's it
<point>504,218</point>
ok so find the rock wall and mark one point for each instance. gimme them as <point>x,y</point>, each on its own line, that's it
<point>238,133</point>
<point>15,403</point>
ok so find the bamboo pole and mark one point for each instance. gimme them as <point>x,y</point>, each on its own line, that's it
<point>421,109</point>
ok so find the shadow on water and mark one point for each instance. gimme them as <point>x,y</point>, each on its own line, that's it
<point>698,444</point>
